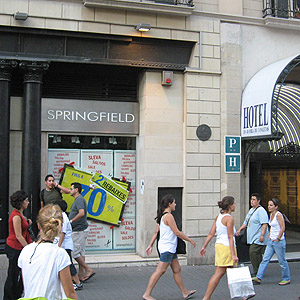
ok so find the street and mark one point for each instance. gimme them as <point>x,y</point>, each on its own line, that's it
<point>129,283</point>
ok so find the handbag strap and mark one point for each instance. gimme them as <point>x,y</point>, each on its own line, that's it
<point>252,215</point>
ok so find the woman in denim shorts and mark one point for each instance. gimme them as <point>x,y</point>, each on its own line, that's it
<point>167,245</point>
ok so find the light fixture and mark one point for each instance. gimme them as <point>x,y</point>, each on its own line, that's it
<point>112,140</point>
<point>20,16</point>
<point>75,139</point>
<point>95,140</point>
<point>143,27</point>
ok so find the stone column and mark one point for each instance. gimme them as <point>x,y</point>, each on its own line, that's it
<point>31,139</point>
<point>5,77</point>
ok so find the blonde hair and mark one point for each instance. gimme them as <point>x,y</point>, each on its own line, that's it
<point>50,220</point>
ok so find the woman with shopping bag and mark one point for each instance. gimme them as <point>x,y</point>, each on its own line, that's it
<point>276,244</point>
<point>225,249</point>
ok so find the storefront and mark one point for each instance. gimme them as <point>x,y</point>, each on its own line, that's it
<point>87,108</point>
<point>96,137</point>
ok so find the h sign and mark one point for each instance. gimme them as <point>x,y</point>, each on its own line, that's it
<point>232,145</point>
<point>232,163</point>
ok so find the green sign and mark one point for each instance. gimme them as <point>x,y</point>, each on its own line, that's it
<point>232,163</point>
<point>232,144</point>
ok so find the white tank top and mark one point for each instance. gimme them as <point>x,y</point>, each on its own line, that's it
<point>221,231</point>
<point>167,239</point>
<point>275,228</point>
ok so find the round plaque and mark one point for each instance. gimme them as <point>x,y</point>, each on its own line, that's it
<point>203,132</point>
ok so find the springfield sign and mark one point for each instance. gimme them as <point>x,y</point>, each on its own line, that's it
<point>90,116</point>
<point>105,197</point>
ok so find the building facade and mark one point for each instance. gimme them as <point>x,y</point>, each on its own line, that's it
<point>183,81</point>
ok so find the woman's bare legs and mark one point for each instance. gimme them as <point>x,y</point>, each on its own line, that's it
<point>214,281</point>
<point>178,279</point>
<point>160,270</point>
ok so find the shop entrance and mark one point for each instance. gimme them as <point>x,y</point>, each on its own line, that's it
<point>113,156</point>
<point>279,178</point>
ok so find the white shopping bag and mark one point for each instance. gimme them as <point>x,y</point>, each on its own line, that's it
<point>240,282</point>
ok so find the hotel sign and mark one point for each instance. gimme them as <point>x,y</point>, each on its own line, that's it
<point>90,116</point>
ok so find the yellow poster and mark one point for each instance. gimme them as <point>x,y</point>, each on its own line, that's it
<point>105,197</point>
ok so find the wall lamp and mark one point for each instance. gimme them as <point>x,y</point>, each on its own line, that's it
<point>143,27</point>
<point>20,16</point>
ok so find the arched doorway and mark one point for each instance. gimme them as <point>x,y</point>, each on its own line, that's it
<point>274,158</point>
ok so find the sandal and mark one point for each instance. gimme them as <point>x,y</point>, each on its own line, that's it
<point>284,282</point>
<point>255,280</point>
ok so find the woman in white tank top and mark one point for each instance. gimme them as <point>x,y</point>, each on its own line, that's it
<point>167,245</point>
<point>225,250</point>
<point>276,244</point>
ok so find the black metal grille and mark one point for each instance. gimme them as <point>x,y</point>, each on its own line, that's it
<point>282,8</point>
<point>85,81</point>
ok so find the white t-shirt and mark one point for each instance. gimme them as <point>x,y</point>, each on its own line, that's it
<point>67,230</point>
<point>41,264</point>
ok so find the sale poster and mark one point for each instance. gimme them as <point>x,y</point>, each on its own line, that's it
<point>124,235</point>
<point>100,236</point>
<point>97,161</point>
<point>105,197</point>
<point>57,158</point>
<point>125,164</point>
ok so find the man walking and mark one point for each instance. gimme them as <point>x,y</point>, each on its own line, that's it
<point>256,222</point>
<point>52,192</point>
<point>78,219</point>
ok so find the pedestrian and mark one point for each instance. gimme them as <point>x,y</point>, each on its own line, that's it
<point>65,241</point>
<point>78,219</point>
<point>17,239</point>
<point>276,244</point>
<point>45,267</point>
<point>167,244</point>
<point>52,193</point>
<point>256,222</point>
<point>225,248</point>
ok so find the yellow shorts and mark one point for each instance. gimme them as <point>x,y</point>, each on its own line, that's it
<point>223,257</point>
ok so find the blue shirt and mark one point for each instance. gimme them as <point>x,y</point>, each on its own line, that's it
<point>258,218</point>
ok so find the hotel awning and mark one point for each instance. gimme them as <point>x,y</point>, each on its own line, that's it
<point>260,99</point>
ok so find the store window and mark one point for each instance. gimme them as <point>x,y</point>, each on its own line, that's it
<point>113,156</point>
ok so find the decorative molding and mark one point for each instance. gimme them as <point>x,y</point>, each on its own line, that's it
<point>145,6</point>
<point>6,66</point>
<point>34,70</point>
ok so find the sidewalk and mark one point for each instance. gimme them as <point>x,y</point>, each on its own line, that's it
<point>129,283</point>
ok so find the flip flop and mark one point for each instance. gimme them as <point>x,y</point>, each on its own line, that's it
<point>88,277</point>
<point>284,282</point>
<point>191,293</point>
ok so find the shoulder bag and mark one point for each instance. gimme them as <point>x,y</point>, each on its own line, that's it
<point>243,233</point>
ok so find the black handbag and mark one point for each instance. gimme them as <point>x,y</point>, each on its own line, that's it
<point>181,246</point>
<point>243,236</point>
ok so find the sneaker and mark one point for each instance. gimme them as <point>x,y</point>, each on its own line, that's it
<point>78,287</point>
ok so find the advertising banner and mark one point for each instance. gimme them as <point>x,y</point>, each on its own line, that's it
<point>105,197</point>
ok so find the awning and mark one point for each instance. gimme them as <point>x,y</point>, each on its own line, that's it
<point>257,101</point>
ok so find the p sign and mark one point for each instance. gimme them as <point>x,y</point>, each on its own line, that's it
<point>232,145</point>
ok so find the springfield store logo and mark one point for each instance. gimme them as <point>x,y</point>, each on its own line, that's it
<point>92,116</point>
<point>255,119</point>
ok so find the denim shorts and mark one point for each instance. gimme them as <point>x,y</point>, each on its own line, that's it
<point>167,257</point>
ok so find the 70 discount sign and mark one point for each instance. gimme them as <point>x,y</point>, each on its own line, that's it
<point>105,197</point>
